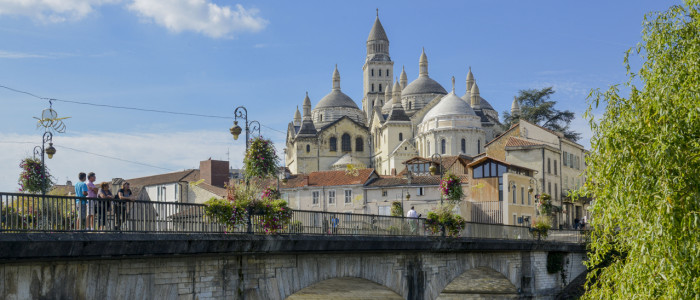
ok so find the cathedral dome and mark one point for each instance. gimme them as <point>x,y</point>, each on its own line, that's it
<point>336,98</point>
<point>423,85</point>
<point>449,105</point>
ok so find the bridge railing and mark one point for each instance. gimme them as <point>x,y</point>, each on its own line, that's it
<point>36,213</point>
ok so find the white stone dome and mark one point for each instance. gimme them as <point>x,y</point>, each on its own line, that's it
<point>423,85</point>
<point>449,105</point>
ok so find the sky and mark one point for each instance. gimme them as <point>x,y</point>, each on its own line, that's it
<point>207,57</point>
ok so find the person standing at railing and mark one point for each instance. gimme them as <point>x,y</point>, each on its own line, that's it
<point>91,204</point>
<point>103,207</point>
<point>335,222</point>
<point>120,207</point>
<point>412,215</point>
<point>81,191</point>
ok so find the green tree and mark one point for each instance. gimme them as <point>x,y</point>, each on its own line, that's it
<point>536,107</point>
<point>644,168</point>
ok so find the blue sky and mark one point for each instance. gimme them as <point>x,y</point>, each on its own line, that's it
<point>207,57</point>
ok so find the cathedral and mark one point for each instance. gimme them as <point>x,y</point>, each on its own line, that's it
<point>398,120</point>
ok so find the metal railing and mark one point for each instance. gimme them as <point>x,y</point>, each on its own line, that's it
<point>36,213</point>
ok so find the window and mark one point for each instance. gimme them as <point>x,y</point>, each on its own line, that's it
<point>308,148</point>
<point>478,146</point>
<point>380,72</point>
<point>387,73</point>
<point>464,146</point>
<point>514,194</point>
<point>333,143</point>
<point>373,87</point>
<point>566,158</point>
<point>348,196</point>
<point>400,136</point>
<point>549,187</point>
<point>384,210</point>
<point>529,198</point>
<point>331,197</point>
<point>555,167</point>
<point>409,105</point>
<point>556,192</point>
<point>320,118</point>
<point>549,166</point>
<point>372,72</point>
<point>359,146</point>
<point>314,197</point>
<point>442,146</point>
<point>384,193</point>
<point>500,188</point>
<point>380,85</point>
<point>345,143</point>
<point>522,195</point>
<point>421,191</point>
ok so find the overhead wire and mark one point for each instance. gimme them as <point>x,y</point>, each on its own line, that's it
<point>127,107</point>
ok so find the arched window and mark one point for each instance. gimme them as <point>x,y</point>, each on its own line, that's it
<point>372,72</point>
<point>400,136</point>
<point>373,87</point>
<point>320,118</point>
<point>380,72</point>
<point>380,87</point>
<point>478,147</point>
<point>409,105</point>
<point>464,146</point>
<point>345,143</point>
<point>333,142</point>
<point>359,146</point>
<point>442,146</point>
<point>308,148</point>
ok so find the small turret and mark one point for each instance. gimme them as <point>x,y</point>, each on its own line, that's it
<point>306,107</point>
<point>336,79</point>
<point>423,64</point>
<point>475,97</point>
<point>515,108</point>
<point>297,117</point>
<point>387,94</point>
<point>403,78</point>
<point>397,92</point>
<point>470,80</point>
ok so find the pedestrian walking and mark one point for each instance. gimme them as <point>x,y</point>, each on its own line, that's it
<point>412,215</point>
<point>81,191</point>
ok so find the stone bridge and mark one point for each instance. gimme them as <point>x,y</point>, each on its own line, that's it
<point>228,266</point>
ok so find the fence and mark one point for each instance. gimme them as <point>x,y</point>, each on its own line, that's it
<point>487,212</point>
<point>36,213</point>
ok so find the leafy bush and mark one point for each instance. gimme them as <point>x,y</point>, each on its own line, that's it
<point>443,216</point>
<point>541,227</point>
<point>544,204</point>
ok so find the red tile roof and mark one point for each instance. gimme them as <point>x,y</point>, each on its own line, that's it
<point>480,160</point>
<point>400,180</point>
<point>518,142</point>
<point>328,178</point>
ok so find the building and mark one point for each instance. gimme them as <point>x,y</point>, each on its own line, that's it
<point>398,120</point>
<point>558,163</point>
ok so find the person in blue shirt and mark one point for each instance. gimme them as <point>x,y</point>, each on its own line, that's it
<point>81,191</point>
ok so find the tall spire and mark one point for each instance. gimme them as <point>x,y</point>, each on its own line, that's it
<point>404,78</point>
<point>475,97</point>
<point>307,106</point>
<point>470,79</point>
<point>515,108</point>
<point>297,117</point>
<point>423,64</point>
<point>336,78</point>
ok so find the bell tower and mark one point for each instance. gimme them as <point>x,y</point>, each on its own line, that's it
<point>378,70</point>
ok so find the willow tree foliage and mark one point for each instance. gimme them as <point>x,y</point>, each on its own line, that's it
<point>644,168</point>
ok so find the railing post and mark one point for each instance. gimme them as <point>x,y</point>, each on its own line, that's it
<point>250,222</point>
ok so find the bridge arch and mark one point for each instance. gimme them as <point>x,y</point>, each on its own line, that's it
<point>345,288</point>
<point>481,283</point>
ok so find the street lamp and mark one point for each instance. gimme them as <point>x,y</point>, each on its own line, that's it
<point>435,169</point>
<point>242,112</point>
<point>40,151</point>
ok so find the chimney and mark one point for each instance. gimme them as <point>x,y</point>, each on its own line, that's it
<point>393,171</point>
<point>214,172</point>
<point>306,180</point>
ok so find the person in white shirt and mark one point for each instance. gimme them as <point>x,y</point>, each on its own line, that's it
<point>412,215</point>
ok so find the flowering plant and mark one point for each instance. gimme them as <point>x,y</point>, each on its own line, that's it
<point>544,205</point>
<point>443,216</point>
<point>540,227</point>
<point>451,187</point>
<point>31,180</point>
<point>260,159</point>
<point>271,213</point>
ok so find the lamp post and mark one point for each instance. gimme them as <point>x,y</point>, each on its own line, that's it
<point>43,151</point>
<point>242,112</point>
<point>435,170</point>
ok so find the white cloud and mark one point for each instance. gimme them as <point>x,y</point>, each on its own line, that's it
<point>51,11</point>
<point>200,16</point>
<point>174,151</point>
<point>14,55</point>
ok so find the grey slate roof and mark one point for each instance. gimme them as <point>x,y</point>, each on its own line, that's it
<point>423,85</point>
<point>336,98</point>
<point>397,114</point>
<point>307,128</point>
<point>377,32</point>
<point>484,104</point>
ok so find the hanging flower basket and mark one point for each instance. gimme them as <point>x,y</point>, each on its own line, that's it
<point>261,159</point>
<point>31,180</point>
<point>544,205</point>
<point>451,187</point>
